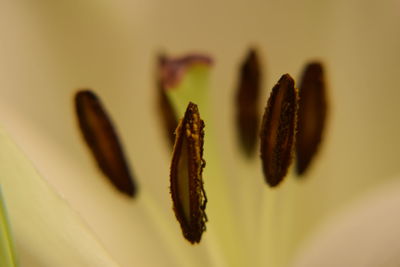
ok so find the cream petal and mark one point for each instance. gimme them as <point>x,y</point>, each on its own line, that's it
<point>364,234</point>
<point>47,231</point>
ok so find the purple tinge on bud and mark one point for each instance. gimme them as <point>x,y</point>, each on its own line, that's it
<point>171,70</point>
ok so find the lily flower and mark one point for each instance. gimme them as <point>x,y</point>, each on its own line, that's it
<point>60,210</point>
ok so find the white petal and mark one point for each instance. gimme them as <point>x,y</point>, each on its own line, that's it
<point>48,232</point>
<point>366,234</point>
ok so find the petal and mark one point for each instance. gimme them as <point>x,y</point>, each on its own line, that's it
<point>47,230</point>
<point>365,234</point>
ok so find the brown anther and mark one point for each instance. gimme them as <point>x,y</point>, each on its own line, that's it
<point>247,102</point>
<point>101,137</point>
<point>312,115</point>
<point>278,130</point>
<point>188,195</point>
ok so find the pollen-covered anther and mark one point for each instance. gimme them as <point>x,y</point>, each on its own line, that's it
<point>278,130</point>
<point>188,195</point>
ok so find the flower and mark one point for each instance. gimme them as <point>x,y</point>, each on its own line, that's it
<point>54,48</point>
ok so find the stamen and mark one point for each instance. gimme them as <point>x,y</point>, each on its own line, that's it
<point>102,139</point>
<point>188,195</point>
<point>247,112</point>
<point>278,130</point>
<point>312,115</point>
<point>165,108</point>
